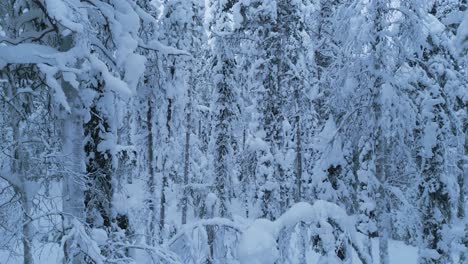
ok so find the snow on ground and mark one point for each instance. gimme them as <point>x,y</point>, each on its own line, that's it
<point>399,254</point>
<point>261,234</point>
<point>258,243</point>
<point>49,253</point>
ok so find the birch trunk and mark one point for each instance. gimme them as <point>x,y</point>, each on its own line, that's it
<point>27,229</point>
<point>380,141</point>
<point>20,186</point>
<point>73,151</point>
<point>25,200</point>
<point>72,184</point>
<point>382,203</point>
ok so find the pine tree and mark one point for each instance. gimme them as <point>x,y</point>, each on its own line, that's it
<point>225,112</point>
<point>438,124</point>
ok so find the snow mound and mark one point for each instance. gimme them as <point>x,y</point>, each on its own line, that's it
<point>258,242</point>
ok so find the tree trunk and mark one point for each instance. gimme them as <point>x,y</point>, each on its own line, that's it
<point>151,179</point>
<point>18,170</point>
<point>210,232</point>
<point>72,138</point>
<point>162,209</point>
<point>304,242</point>
<point>73,148</point>
<point>25,201</point>
<point>27,228</point>
<point>382,203</point>
<point>380,140</point>
<point>167,172</point>
<point>461,214</point>
<point>187,160</point>
<point>298,193</point>
<point>73,183</point>
<point>99,167</point>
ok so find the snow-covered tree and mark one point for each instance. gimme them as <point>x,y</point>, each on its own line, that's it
<point>171,131</point>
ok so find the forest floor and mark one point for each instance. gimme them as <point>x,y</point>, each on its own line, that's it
<point>399,253</point>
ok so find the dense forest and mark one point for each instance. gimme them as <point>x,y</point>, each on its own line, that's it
<point>233,131</point>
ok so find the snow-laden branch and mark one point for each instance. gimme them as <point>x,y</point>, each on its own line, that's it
<point>27,53</point>
<point>80,242</point>
<point>64,14</point>
<point>258,243</point>
<point>217,221</point>
<point>29,36</point>
<point>161,252</point>
<point>462,36</point>
<point>156,45</point>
